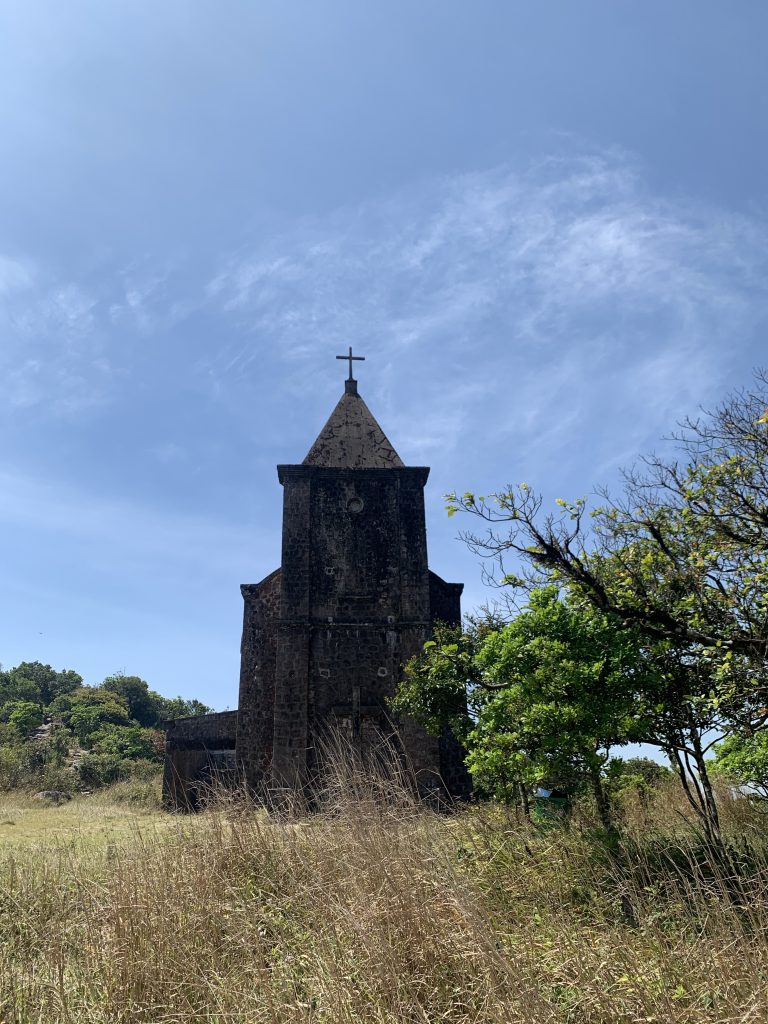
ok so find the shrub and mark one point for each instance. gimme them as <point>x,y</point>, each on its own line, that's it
<point>24,715</point>
<point>639,776</point>
<point>744,760</point>
<point>103,769</point>
<point>142,790</point>
<point>127,741</point>
<point>13,767</point>
<point>87,709</point>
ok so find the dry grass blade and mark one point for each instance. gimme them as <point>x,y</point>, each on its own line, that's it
<point>375,908</point>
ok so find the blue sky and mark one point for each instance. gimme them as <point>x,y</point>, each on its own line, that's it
<point>543,224</point>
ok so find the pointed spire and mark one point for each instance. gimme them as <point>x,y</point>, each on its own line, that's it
<point>352,439</point>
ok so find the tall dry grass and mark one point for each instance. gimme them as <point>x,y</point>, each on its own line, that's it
<point>375,908</point>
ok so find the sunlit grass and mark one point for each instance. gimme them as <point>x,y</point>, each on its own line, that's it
<point>101,818</point>
<point>374,908</point>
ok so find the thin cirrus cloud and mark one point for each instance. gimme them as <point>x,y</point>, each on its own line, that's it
<point>564,243</point>
<point>545,324</point>
<point>105,526</point>
<point>570,278</point>
<point>458,250</point>
<point>54,354</point>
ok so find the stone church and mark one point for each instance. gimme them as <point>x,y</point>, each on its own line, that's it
<point>326,635</point>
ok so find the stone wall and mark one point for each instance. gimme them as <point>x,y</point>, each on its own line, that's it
<point>325,637</point>
<point>195,749</point>
<point>355,604</point>
<point>258,647</point>
<point>444,600</point>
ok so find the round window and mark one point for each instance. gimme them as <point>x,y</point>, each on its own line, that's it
<point>355,505</point>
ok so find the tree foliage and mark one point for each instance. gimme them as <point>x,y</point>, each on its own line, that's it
<point>675,568</point>
<point>23,715</point>
<point>36,682</point>
<point>144,706</point>
<point>147,707</point>
<point>744,760</point>
<point>640,775</point>
<point>89,709</point>
<point>542,700</point>
<point>682,553</point>
<point>117,722</point>
<point>568,688</point>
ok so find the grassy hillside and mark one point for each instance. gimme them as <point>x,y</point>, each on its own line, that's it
<point>29,825</point>
<point>379,911</point>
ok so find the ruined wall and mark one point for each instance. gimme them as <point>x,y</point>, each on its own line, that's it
<point>444,600</point>
<point>289,750</point>
<point>195,748</point>
<point>261,608</point>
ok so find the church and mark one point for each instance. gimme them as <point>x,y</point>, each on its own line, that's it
<point>326,635</point>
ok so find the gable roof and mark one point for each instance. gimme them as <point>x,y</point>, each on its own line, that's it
<point>352,439</point>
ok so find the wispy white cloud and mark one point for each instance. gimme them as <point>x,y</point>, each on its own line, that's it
<point>534,250</point>
<point>120,531</point>
<point>67,344</point>
<point>568,285</point>
<point>15,274</point>
<point>52,352</point>
<point>152,295</point>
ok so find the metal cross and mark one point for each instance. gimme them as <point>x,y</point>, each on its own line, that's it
<point>351,358</point>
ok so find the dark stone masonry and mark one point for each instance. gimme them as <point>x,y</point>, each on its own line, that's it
<point>326,635</point>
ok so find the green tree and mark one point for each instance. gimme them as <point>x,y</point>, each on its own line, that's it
<point>683,551</point>
<point>147,707</point>
<point>32,680</point>
<point>181,707</point>
<point>114,721</point>
<point>25,716</point>
<point>682,556</point>
<point>13,688</point>
<point>639,775</point>
<point>570,688</point>
<point>86,709</point>
<point>118,752</point>
<point>744,760</point>
<point>9,736</point>
<point>128,742</point>
<point>57,747</point>
<point>549,695</point>
<point>144,706</point>
<point>442,681</point>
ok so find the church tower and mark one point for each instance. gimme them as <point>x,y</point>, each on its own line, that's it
<point>326,636</point>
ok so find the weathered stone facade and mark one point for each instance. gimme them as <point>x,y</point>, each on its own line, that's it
<point>198,751</point>
<point>326,635</point>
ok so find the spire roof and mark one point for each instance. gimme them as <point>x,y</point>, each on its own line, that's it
<point>352,439</point>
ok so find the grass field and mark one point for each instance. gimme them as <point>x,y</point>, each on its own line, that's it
<point>26,823</point>
<point>376,910</point>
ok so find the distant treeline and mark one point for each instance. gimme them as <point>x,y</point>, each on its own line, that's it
<point>58,733</point>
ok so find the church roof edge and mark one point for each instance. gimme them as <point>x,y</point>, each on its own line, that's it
<point>352,438</point>
<point>287,470</point>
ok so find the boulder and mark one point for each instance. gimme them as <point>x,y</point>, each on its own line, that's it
<point>54,795</point>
